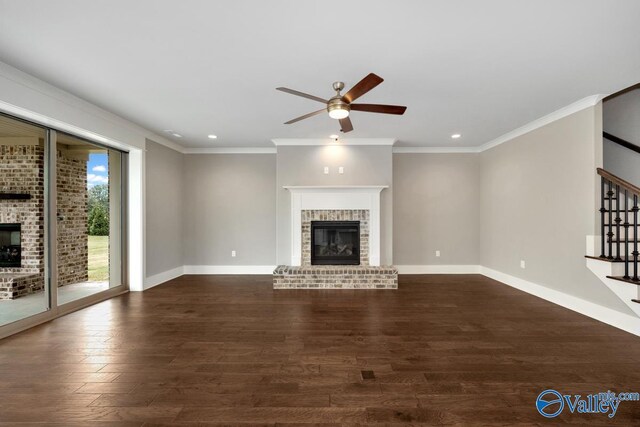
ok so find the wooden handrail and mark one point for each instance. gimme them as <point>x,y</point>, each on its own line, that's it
<point>619,181</point>
<point>622,142</point>
<point>622,92</point>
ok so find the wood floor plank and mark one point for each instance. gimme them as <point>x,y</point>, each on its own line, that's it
<point>278,415</point>
<point>229,350</point>
<point>106,388</point>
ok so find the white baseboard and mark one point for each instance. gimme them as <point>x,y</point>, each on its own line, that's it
<point>614,318</point>
<point>165,276</point>
<point>229,269</point>
<point>438,269</point>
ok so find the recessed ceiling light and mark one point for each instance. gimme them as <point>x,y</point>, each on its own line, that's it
<point>177,135</point>
<point>334,136</point>
<point>455,136</point>
<point>212,136</point>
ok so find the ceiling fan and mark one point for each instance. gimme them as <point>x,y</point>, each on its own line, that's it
<point>339,106</point>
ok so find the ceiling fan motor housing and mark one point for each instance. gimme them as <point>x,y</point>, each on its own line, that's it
<point>336,103</point>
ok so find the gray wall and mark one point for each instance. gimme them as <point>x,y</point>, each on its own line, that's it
<point>621,117</point>
<point>538,205</point>
<point>163,207</point>
<point>436,206</point>
<point>363,165</point>
<point>229,204</point>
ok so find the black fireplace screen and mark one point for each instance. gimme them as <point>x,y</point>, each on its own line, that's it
<point>10,252</point>
<point>335,242</point>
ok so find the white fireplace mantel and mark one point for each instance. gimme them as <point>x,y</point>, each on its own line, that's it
<point>337,197</point>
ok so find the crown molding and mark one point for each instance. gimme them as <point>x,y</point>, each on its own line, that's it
<point>580,105</point>
<point>298,188</point>
<point>435,150</point>
<point>158,139</point>
<point>230,150</point>
<point>328,141</point>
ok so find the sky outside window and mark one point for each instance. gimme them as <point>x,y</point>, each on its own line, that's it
<point>97,169</point>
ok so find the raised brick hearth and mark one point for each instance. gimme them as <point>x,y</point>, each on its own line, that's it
<point>13,285</point>
<point>335,277</point>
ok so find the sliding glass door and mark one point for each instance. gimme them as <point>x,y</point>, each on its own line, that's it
<point>61,222</point>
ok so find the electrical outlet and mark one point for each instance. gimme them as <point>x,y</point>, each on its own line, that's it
<point>437,253</point>
<point>326,170</point>
<point>522,264</point>
<point>233,253</point>
<point>341,170</point>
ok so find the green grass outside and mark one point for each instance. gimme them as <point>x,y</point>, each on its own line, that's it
<point>98,258</point>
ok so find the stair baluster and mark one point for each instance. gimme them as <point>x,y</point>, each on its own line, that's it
<point>626,234</point>
<point>635,238</point>
<point>610,222</point>
<point>618,258</point>
<point>602,217</point>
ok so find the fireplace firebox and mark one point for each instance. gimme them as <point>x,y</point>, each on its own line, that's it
<point>335,242</point>
<point>10,245</point>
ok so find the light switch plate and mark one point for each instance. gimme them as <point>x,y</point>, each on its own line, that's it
<point>341,170</point>
<point>326,170</point>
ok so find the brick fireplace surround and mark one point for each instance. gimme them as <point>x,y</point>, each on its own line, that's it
<point>361,215</point>
<point>22,171</point>
<point>336,204</point>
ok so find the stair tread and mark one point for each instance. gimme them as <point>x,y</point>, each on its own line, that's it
<point>622,279</point>
<point>606,259</point>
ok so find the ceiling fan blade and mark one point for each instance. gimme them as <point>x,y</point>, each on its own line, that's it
<point>362,87</point>
<point>379,108</point>
<point>306,116</point>
<point>346,125</point>
<point>302,94</point>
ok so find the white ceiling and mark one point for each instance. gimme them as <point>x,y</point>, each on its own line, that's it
<point>479,68</point>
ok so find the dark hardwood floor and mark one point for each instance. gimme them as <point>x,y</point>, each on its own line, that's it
<point>213,350</point>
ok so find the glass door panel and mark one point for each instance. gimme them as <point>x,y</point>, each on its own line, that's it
<point>23,168</point>
<point>88,218</point>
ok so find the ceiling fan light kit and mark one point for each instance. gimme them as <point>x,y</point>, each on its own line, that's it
<point>339,106</point>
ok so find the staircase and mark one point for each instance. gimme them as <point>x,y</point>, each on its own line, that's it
<point>619,225</point>
<point>617,263</point>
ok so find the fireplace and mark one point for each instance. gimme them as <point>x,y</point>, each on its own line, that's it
<point>335,242</point>
<point>10,247</point>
